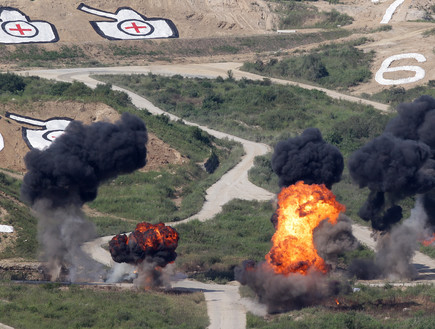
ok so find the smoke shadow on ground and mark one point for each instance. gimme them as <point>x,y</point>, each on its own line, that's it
<point>425,272</point>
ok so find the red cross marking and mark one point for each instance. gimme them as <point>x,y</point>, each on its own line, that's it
<point>135,27</point>
<point>20,29</point>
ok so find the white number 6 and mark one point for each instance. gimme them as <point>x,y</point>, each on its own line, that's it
<point>419,72</point>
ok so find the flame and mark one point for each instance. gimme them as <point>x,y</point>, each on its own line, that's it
<point>337,302</point>
<point>147,240</point>
<point>154,237</point>
<point>301,208</point>
<point>428,242</point>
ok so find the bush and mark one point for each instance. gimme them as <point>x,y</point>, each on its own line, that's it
<point>331,66</point>
<point>11,83</point>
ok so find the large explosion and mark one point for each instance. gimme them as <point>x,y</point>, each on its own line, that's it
<point>307,219</point>
<point>301,208</point>
<point>62,177</point>
<point>150,248</point>
<point>396,165</point>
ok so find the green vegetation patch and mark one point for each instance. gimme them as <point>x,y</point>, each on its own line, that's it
<point>18,216</point>
<point>385,307</point>
<point>211,250</point>
<point>333,66</point>
<point>32,55</point>
<point>396,95</point>
<point>57,306</point>
<point>258,110</point>
<point>298,14</point>
<point>176,191</point>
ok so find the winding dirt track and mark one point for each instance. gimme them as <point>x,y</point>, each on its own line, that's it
<point>225,308</point>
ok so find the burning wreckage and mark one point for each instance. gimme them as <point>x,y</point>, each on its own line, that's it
<point>150,248</point>
<point>311,229</point>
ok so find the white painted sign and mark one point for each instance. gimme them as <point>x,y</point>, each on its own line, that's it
<point>385,67</point>
<point>6,229</point>
<point>18,28</point>
<point>128,24</point>
<point>41,138</point>
<point>390,11</point>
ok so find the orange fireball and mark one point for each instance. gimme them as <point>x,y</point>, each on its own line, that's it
<point>301,208</point>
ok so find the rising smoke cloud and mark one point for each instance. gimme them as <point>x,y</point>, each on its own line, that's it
<point>396,165</point>
<point>307,158</point>
<point>395,250</point>
<point>281,293</point>
<point>310,159</point>
<point>62,177</point>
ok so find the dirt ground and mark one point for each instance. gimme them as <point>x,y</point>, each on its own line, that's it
<point>196,19</point>
<point>12,156</point>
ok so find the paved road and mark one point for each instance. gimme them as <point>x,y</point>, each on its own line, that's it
<point>225,308</point>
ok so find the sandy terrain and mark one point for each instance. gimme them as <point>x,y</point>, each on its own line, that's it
<point>159,153</point>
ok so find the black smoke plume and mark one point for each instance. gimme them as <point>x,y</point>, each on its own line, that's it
<point>310,159</point>
<point>307,158</point>
<point>71,169</point>
<point>62,177</point>
<point>398,164</point>
<point>150,248</point>
<point>153,243</point>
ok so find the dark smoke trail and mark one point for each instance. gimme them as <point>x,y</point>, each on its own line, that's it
<point>307,158</point>
<point>398,164</point>
<point>395,250</point>
<point>62,177</point>
<point>392,169</point>
<point>310,159</point>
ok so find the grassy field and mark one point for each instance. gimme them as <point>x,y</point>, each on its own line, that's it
<point>369,308</point>
<point>258,110</point>
<point>210,250</point>
<point>333,66</point>
<point>44,306</point>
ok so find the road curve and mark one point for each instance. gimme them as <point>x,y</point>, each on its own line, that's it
<point>234,184</point>
<point>224,305</point>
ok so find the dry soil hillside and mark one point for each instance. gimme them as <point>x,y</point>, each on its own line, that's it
<point>193,18</point>
<point>15,147</point>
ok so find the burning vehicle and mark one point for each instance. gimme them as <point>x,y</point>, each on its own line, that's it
<point>149,248</point>
<point>293,274</point>
<point>311,227</point>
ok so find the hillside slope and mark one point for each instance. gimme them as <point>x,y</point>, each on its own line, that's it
<point>193,18</point>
